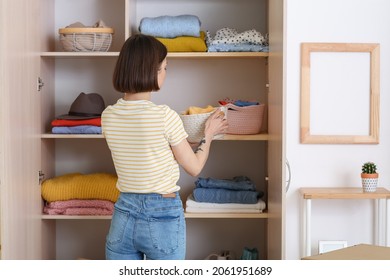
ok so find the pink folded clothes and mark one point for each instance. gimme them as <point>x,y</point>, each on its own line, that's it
<point>79,207</point>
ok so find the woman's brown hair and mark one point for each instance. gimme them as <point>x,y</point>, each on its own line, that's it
<point>138,63</point>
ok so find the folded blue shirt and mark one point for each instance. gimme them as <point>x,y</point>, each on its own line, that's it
<point>243,47</point>
<point>241,103</point>
<point>78,129</point>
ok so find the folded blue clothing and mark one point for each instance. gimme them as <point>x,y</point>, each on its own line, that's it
<point>171,26</point>
<point>238,183</point>
<point>225,196</point>
<point>241,103</point>
<point>78,129</point>
<point>244,47</point>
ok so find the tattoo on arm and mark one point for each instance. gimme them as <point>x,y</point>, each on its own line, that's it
<point>200,144</point>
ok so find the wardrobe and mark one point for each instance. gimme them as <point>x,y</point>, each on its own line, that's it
<point>40,81</point>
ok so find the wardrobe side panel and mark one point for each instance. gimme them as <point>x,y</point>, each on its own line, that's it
<point>21,203</point>
<point>276,144</point>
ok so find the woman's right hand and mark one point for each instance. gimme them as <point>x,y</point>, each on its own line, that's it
<point>215,124</point>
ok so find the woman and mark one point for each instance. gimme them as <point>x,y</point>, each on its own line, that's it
<point>148,143</point>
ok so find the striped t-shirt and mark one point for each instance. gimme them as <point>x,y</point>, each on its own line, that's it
<point>139,135</point>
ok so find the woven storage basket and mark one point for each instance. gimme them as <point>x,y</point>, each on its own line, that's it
<point>194,125</point>
<point>245,120</point>
<point>86,39</point>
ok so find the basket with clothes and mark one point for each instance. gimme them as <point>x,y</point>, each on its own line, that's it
<point>80,38</point>
<point>244,117</point>
<point>194,120</point>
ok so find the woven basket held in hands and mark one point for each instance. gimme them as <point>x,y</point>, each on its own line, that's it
<point>86,39</point>
<point>245,120</point>
<point>194,125</point>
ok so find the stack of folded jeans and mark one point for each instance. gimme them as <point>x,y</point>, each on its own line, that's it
<point>240,189</point>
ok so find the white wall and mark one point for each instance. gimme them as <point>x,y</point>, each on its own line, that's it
<point>314,165</point>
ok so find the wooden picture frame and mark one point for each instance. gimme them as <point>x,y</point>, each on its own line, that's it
<point>370,134</point>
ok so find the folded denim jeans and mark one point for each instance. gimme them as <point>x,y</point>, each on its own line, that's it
<point>225,196</point>
<point>239,183</point>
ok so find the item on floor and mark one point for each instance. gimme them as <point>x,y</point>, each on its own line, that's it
<point>193,206</point>
<point>250,254</point>
<point>223,255</point>
<point>79,207</point>
<point>185,43</point>
<point>80,186</point>
<point>171,26</point>
<point>230,40</point>
<point>77,37</point>
<point>194,120</point>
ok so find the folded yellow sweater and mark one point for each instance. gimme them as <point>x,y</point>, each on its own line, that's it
<point>198,110</point>
<point>185,43</point>
<point>80,186</point>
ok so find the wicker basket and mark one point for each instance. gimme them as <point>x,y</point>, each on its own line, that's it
<point>86,39</point>
<point>194,125</point>
<point>245,120</point>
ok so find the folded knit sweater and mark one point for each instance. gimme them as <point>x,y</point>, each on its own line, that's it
<point>80,186</point>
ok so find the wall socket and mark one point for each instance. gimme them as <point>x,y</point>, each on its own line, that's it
<point>331,245</point>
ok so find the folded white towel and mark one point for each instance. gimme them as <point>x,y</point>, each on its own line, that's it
<point>221,210</point>
<point>198,207</point>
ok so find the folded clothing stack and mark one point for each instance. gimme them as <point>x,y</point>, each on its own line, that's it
<point>229,40</point>
<point>84,116</point>
<point>193,206</point>
<point>89,126</point>
<point>80,194</point>
<point>225,196</point>
<point>178,33</point>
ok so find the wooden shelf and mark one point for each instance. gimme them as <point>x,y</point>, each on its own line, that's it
<point>187,215</point>
<point>170,55</point>
<point>343,193</point>
<point>71,136</point>
<point>227,137</point>
<point>79,54</point>
<point>227,215</point>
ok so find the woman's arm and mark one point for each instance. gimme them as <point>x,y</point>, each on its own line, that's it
<point>194,161</point>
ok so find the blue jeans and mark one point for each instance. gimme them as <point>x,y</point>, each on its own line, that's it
<point>147,226</point>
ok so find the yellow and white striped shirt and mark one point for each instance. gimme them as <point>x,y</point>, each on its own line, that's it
<point>139,135</point>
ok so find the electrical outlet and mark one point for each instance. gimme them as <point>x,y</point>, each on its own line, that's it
<point>330,245</point>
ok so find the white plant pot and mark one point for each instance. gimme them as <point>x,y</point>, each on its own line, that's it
<point>370,183</point>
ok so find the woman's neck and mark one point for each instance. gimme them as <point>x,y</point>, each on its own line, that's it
<point>137,96</point>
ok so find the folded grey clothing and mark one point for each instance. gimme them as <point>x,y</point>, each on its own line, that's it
<point>242,183</point>
<point>225,196</point>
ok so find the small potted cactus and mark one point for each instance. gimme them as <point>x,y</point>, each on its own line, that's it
<point>369,177</point>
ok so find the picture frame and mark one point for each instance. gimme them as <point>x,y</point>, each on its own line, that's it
<point>354,124</point>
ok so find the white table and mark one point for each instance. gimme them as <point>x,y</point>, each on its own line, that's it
<point>382,209</point>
